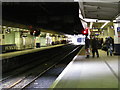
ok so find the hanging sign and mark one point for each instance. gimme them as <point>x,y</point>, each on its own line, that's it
<point>118,29</point>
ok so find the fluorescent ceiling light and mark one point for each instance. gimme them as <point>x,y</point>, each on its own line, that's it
<point>104,24</point>
<point>9,27</point>
<point>95,20</point>
<point>103,21</point>
<point>114,20</point>
<point>79,11</point>
<point>80,16</point>
<point>91,25</point>
<point>90,20</point>
<point>118,17</point>
<point>76,0</point>
<point>4,27</point>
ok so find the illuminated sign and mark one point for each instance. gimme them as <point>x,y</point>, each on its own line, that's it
<point>95,30</point>
<point>79,40</point>
<point>96,34</point>
<point>118,29</point>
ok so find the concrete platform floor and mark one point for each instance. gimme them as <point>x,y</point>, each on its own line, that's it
<point>95,72</point>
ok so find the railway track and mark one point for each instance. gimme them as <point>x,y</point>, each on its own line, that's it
<point>31,65</point>
<point>22,80</point>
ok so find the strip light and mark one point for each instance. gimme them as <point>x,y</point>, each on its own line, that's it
<point>91,25</point>
<point>105,24</point>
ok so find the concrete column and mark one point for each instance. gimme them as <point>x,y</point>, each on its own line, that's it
<point>18,40</point>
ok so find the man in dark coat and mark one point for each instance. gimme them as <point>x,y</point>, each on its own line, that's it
<point>94,46</point>
<point>87,46</point>
<point>109,45</point>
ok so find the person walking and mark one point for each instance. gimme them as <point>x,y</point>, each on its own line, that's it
<point>94,46</point>
<point>87,46</point>
<point>109,46</point>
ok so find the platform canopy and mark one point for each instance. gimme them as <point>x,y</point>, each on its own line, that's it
<point>100,9</point>
<point>58,16</point>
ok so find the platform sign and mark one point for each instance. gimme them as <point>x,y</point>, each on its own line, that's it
<point>118,29</point>
<point>79,39</point>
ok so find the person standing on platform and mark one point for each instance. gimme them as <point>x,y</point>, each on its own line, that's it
<point>87,47</point>
<point>109,45</point>
<point>112,42</point>
<point>94,46</point>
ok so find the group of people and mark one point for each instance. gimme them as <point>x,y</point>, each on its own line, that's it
<point>93,44</point>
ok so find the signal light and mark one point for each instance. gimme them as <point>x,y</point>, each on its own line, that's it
<point>35,32</point>
<point>85,32</point>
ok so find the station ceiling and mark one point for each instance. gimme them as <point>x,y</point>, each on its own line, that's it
<point>101,10</point>
<point>58,16</point>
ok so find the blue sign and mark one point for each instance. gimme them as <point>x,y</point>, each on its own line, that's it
<point>79,40</point>
<point>118,29</point>
<point>97,34</point>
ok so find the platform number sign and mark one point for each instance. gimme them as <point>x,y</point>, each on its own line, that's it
<point>79,40</point>
<point>118,29</point>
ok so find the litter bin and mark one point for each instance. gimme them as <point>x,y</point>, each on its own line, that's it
<point>37,45</point>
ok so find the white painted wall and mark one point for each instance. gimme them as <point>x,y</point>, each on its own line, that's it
<point>28,41</point>
<point>10,38</point>
<point>117,34</point>
<point>43,41</point>
<point>18,40</point>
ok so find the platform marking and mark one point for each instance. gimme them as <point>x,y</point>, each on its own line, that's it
<point>112,70</point>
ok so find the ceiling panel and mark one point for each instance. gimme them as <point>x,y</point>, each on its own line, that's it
<point>102,4</point>
<point>101,10</point>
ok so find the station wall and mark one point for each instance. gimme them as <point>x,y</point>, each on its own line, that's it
<point>117,36</point>
<point>10,38</point>
<point>107,33</point>
<point>43,41</point>
<point>20,38</point>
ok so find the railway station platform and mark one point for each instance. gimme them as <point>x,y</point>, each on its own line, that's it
<point>12,60</point>
<point>22,52</point>
<point>89,73</point>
